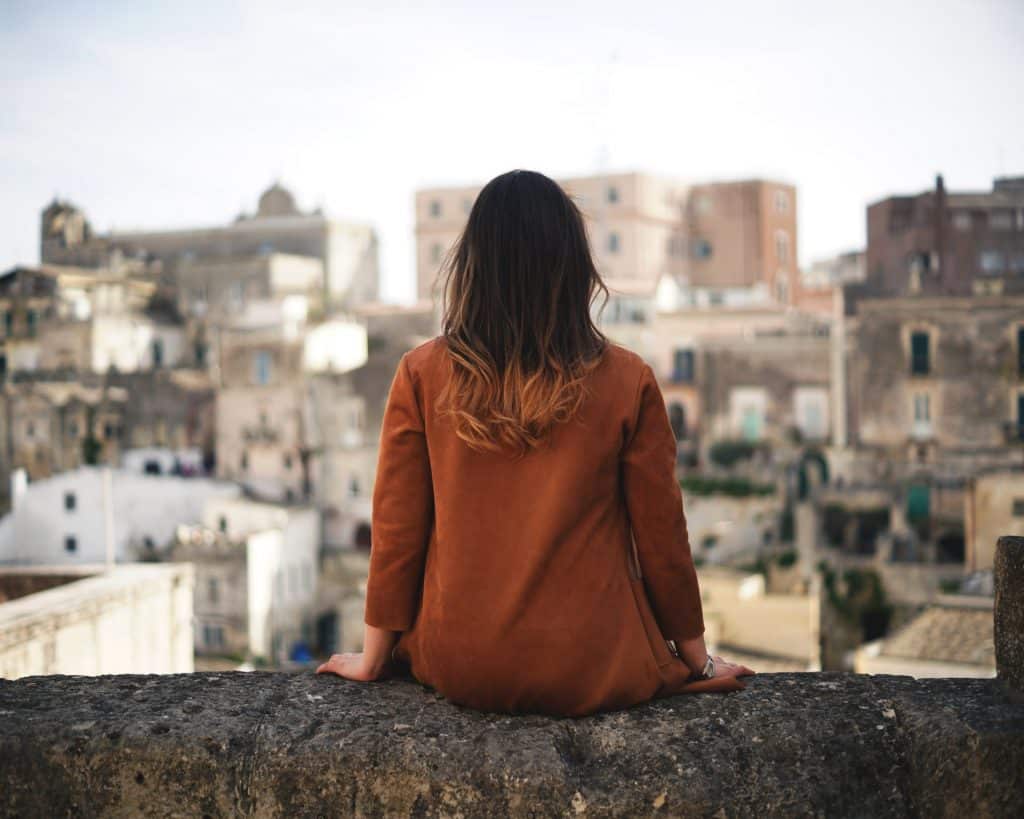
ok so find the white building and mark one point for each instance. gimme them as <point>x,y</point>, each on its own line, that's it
<point>122,620</point>
<point>256,576</point>
<point>80,516</point>
<point>155,460</point>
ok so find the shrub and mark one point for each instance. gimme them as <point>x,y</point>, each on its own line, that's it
<point>733,487</point>
<point>729,453</point>
<point>786,559</point>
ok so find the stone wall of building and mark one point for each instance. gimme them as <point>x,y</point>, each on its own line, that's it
<point>123,620</point>
<point>971,388</point>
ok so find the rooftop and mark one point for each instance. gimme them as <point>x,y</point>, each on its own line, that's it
<point>946,634</point>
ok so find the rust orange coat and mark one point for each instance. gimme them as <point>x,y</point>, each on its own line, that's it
<point>517,584</point>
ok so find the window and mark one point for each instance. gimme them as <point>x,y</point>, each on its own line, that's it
<point>782,288</point>
<point>781,202</point>
<point>613,194</point>
<point>435,209</point>
<point>920,353</point>
<point>1020,351</point>
<point>748,407</point>
<point>1001,220</point>
<point>70,544</point>
<point>962,219</point>
<point>435,253</point>
<point>70,501</point>
<point>1018,507</point>
<point>8,322</point>
<point>33,322</point>
<point>73,429</point>
<point>213,592</point>
<point>307,576</point>
<point>782,247</point>
<point>922,408</point>
<point>261,367</point>
<point>467,205</point>
<point>682,366</point>
<point>222,523</point>
<point>30,429</point>
<point>287,460</point>
<point>810,408</point>
<point>702,249</point>
<point>158,352</point>
<point>991,262</point>
<point>921,428</point>
<point>613,243</point>
<point>353,486</point>
<point>244,463</point>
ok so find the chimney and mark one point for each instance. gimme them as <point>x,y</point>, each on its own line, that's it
<point>940,265</point>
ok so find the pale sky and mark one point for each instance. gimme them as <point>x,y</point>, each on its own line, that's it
<point>181,116</point>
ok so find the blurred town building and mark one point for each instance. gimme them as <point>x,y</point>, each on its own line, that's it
<point>256,569</point>
<point>951,640</point>
<point>92,515</point>
<point>193,259</point>
<point>847,433</point>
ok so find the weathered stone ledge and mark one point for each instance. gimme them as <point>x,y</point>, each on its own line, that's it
<point>270,744</point>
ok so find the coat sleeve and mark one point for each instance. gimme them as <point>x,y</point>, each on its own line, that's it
<point>403,510</point>
<point>654,501</point>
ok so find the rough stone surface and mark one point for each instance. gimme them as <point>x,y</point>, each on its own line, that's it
<point>273,744</point>
<point>1009,614</point>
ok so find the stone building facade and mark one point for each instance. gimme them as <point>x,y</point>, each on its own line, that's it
<point>724,241</point>
<point>347,251</point>
<point>937,383</point>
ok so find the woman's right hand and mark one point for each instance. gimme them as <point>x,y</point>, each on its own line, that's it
<point>723,668</point>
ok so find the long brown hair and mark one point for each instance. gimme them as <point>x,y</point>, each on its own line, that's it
<point>518,286</point>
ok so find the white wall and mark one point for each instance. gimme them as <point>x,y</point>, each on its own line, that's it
<point>869,659</point>
<point>282,549</point>
<point>126,342</point>
<point>283,577</point>
<point>129,620</point>
<point>143,506</point>
<point>783,625</point>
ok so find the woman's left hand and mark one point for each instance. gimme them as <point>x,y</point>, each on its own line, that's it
<point>353,666</point>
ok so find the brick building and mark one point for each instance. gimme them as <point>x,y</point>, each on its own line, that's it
<point>940,242</point>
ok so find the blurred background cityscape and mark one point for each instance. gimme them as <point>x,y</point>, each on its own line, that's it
<point>811,222</point>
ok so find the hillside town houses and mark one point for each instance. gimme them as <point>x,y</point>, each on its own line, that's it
<point>850,434</point>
